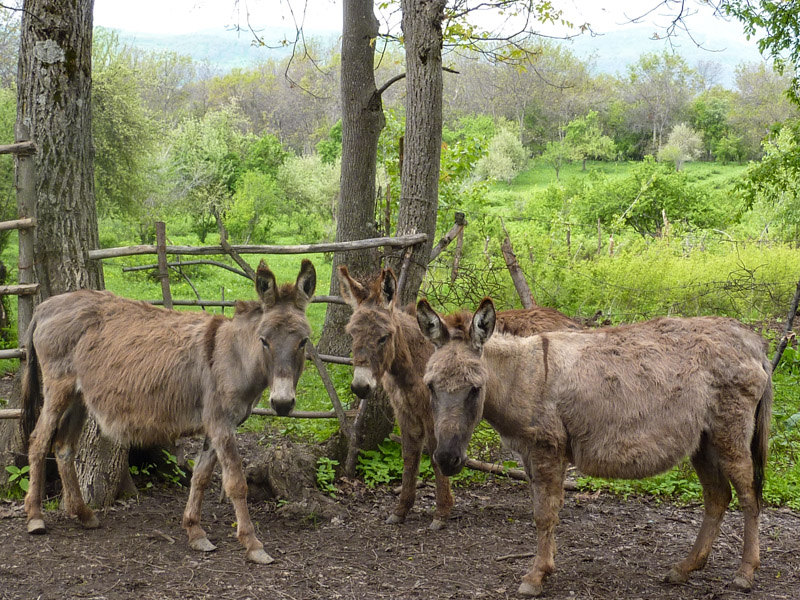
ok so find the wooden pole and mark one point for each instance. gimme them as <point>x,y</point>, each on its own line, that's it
<point>26,209</point>
<point>326,381</point>
<point>517,276</point>
<point>20,148</point>
<point>391,242</point>
<point>354,443</point>
<point>787,329</point>
<point>163,270</point>
<point>448,237</point>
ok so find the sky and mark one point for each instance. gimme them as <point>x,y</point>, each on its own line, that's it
<point>188,16</point>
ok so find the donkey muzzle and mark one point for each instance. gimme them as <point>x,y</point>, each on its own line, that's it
<point>281,396</point>
<point>363,382</point>
<point>450,461</point>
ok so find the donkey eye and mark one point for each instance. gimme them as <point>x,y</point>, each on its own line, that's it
<point>264,342</point>
<point>302,344</point>
<point>383,339</point>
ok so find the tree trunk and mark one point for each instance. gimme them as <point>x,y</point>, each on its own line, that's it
<point>362,122</point>
<point>54,101</point>
<point>419,201</point>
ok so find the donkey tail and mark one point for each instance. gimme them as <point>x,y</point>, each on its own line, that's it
<point>31,390</point>
<point>759,445</point>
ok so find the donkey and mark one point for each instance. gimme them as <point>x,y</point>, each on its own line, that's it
<point>389,347</point>
<point>150,376</point>
<point>625,402</point>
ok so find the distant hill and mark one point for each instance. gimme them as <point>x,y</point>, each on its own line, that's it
<point>615,50</point>
<point>224,49</point>
<point>611,52</point>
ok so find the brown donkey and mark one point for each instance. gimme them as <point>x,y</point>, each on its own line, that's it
<point>150,376</point>
<point>389,348</point>
<point>625,402</point>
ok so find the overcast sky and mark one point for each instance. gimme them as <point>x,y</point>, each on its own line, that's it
<point>187,16</point>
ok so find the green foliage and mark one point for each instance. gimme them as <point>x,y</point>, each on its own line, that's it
<point>8,199</point>
<point>249,214</point>
<point>309,191</point>
<point>729,148</point>
<point>557,154</point>
<point>683,144</point>
<point>330,148</point>
<point>265,155</point>
<point>586,138</point>
<point>326,475</point>
<point>505,158</point>
<point>124,132</point>
<point>709,116</point>
<point>773,181</point>
<point>18,480</point>
<point>642,200</point>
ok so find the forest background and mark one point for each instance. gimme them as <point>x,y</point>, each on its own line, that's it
<point>660,189</point>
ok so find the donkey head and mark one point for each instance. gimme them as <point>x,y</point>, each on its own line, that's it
<point>456,378</point>
<point>284,331</point>
<point>371,326</point>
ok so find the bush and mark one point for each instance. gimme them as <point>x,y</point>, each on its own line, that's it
<point>505,159</point>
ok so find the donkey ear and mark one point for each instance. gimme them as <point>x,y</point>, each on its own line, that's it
<point>305,285</point>
<point>431,324</point>
<point>483,322</point>
<point>266,286</point>
<point>388,285</point>
<point>352,292</point>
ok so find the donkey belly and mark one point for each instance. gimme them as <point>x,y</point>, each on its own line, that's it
<point>633,455</point>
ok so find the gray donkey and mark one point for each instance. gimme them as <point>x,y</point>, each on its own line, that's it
<point>150,376</point>
<point>625,402</point>
<point>388,347</point>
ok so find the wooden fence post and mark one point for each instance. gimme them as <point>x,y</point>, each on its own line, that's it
<point>163,269</point>
<point>26,208</point>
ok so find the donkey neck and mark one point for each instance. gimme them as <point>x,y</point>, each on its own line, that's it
<point>515,379</point>
<point>411,350</point>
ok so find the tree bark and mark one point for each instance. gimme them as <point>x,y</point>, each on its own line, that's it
<point>362,122</point>
<point>419,200</point>
<point>54,102</point>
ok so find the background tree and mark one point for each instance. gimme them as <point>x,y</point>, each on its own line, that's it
<point>683,144</point>
<point>54,108</point>
<point>587,140</point>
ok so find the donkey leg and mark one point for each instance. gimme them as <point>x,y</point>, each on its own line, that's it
<point>64,446</point>
<point>236,488</point>
<point>548,498</point>
<point>739,469</point>
<point>203,470</point>
<point>444,499</point>
<point>56,400</point>
<point>716,497</point>
<point>412,436</point>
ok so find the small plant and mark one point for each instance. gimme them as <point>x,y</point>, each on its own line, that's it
<point>173,473</point>
<point>18,479</point>
<point>326,475</point>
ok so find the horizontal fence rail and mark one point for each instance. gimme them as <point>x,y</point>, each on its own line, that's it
<point>394,242</point>
<point>22,148</point>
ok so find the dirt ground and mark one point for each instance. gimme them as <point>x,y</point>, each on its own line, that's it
<point>608,548</point>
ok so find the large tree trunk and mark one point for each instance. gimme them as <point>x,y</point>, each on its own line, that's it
<point>362,122</point>
<point>419,201</point>
<point>54,102</point>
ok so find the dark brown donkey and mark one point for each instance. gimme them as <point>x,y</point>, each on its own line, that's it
<point>150,376</point>
<point>624,402</point>
<point>389,348</point>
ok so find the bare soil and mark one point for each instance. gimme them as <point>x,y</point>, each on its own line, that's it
<point>608,548</point>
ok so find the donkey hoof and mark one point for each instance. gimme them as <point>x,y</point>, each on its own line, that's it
<point>36,527</point>
<point>676,576</point>
<point>395,519</point>
<point>742,583</point>
<point>437,524</point>
<point>528,589</point>
<point>260,557</point>
<point>202,544</point>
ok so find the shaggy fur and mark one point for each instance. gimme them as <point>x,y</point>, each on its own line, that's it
<point>388,348</point>
<point>150,376</point>
<point>625,402</point>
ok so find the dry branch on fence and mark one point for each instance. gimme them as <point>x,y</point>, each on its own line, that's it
<point>187,263</point>
<point>24,289</point>
<point>326,381</point>
<point>354,443</point>
<point>163,271</point>
<point>19,148</point>
<point>787,329</point>
<point>18,224</point>
<point>517,276</point>
<point>448,237</point>
<point>389,242</point>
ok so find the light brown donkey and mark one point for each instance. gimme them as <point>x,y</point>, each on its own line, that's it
<point>624,402</point>
<point>150,376</point>
<point>388,347</point>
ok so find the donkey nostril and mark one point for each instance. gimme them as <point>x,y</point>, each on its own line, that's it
<point>359,389</point>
